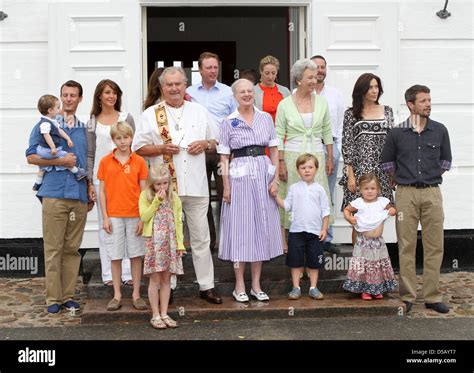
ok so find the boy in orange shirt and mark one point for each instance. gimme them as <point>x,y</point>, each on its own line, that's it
<point>122,175</point>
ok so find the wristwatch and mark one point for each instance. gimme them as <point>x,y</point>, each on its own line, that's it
<point>209,146</point>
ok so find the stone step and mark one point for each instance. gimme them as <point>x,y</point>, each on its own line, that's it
<point>96,289</point>
<point>192,309</point>
<point>334,263</point>
<point>91,259</point>
<point>275,278</point>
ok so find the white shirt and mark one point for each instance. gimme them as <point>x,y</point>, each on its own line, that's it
<point>104,143</point>
<point>336,110</point>
<point>45,127</point>
<point>308,204</point>
<point>195,124</point>
<point>370,215</point>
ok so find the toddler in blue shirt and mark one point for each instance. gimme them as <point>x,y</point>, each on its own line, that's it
<point>51,134</point>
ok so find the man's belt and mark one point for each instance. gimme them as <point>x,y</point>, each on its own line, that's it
<point>421,185</point>
<point>249,151</point>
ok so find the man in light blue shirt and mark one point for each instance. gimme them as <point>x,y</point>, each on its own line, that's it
<point>217,98</point>
<point>64,204</point>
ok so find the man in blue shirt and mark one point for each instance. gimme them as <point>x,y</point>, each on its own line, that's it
<point>415,155</point>
<point>217,98</point>
<point>64,204</point>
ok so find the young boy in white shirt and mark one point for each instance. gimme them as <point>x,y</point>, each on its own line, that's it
<point>310,212</point>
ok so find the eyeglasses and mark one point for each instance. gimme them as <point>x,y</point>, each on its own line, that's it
<point>179,144</point>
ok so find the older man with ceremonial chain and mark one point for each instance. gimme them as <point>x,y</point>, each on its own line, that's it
<point>178,133</point>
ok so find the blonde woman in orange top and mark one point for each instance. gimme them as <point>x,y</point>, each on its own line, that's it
<point>268,93</point>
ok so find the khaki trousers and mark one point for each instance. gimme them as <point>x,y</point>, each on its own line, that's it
<point>426,206</point>
<point>195,209</point>
<point>63,226</point>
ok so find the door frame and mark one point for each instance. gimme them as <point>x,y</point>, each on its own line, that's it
<point>305,12</point>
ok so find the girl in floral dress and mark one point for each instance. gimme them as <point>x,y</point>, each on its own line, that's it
<point>370,272</point>
<point>161,212</point>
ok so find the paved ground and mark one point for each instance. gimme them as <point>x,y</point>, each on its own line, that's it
<point>22,303</point>
<point>342,328</point>
<point>25,324</point>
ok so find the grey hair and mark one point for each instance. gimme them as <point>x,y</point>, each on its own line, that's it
<point>299,67</point>
<point>172,70</point>
<point>237,82</point>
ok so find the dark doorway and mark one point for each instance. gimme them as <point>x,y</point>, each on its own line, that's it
<point>168,52</point>
<point>241,36</point>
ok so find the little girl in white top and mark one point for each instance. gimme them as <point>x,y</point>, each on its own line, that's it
<point>371,215</point>
<point>370,272</point>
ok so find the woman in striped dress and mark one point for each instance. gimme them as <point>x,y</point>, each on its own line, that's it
<point>249,219</point>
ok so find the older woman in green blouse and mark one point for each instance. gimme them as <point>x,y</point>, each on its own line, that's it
<point>303,125</point>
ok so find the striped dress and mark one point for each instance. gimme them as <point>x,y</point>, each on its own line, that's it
<point>250,223</point>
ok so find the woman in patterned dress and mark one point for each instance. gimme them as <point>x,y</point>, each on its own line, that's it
<point>249,218</point>
<point>365,128</point>
<point>303,124</point>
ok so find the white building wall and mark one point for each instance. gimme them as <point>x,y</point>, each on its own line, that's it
<point>431,51</point>
<point>23,79</point>
<point>439,53</point>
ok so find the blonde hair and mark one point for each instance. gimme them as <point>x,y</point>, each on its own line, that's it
<point>303,158</point>
<point>121,128</point>
<point>157,173</point>
<point>269,60</point>
<point>46,102</point>
<point>367,178</point>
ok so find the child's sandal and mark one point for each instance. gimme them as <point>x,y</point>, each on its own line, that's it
<point>170,323</point>
<point>157,323</point>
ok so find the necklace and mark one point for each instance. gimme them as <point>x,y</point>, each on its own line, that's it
<point>176,119</point>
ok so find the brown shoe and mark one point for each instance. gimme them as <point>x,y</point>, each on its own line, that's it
<point>211,296</point>
<point>139,304</point>
<point>113,305</point>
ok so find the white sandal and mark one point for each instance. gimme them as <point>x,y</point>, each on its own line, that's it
<point>158,323</point>
<point>170,323</point>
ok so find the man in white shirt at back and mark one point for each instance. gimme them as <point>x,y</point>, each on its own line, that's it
<point>336,110</point>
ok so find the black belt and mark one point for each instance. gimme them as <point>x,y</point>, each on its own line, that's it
<point>249,151</point>
<point>421,185</point>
